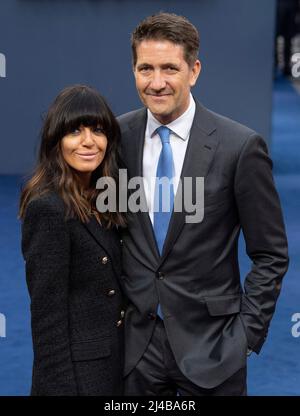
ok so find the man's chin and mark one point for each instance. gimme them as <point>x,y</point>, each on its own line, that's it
<point>163,117</point>
<point>158,110</point>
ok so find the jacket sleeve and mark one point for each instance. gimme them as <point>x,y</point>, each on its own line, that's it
<point>46,250</point>
<point>266,244</point>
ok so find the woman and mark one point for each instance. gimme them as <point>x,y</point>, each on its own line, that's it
<point>72,251</point>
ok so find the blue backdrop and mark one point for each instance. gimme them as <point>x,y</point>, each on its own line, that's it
<point>49,44</point>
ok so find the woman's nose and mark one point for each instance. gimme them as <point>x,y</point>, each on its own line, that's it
<point>87,135</point>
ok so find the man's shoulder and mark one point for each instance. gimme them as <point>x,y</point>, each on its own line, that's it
<point>131,117</point>
<point>231,133</point>
<point>224,123</point>
<point>205,119</point>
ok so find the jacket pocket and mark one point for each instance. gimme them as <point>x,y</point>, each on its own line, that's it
<point>91,350</point>
<point>223,305</point>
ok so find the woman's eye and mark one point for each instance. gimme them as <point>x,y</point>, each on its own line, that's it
<point>75,131</point>
<point>98,130</point>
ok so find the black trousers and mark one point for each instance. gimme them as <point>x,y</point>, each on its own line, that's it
<point>157,374</point>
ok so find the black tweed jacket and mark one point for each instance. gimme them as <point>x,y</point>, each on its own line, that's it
<point>72,273</point>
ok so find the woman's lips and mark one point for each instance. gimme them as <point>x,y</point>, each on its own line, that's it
<point>87,156</point>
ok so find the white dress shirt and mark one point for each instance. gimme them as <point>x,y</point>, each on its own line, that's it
<point>179,137</point>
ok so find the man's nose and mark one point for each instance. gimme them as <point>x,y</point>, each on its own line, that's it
<point>157,82</point>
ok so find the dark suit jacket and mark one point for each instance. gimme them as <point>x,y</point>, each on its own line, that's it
<point>72,272</point>
<point>210,319</point>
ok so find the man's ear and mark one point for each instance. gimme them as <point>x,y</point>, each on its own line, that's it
<point>195,71</point>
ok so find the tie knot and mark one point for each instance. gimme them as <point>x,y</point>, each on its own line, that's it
<point>164,134</point>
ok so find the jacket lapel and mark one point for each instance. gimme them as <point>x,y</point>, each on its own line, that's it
<point>135,166</point>
<point>202,145</point>
<point>104,238</point>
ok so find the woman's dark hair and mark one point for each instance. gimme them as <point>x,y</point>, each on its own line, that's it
<point>75,106</point>
<point>171,27</point>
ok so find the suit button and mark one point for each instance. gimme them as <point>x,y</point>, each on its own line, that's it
<point>160,275</point>
<point>122,314</point>
<point>121,242</point>
<point>111,292</point>
<point>151,316</point>
<point>119,323</point>
<point>104,260</point>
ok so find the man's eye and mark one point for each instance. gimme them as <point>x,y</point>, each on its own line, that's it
<point>145,69</point>
<point>171,69</point>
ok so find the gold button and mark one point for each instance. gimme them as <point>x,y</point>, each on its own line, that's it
<point>122,314</point>
<point>119,323</point>
<point>104,260</point>
<point>111,292</point>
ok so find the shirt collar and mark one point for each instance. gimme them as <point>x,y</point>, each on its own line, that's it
<point>181,126</point>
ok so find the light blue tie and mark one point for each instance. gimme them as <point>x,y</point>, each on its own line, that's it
<point>164,195</point>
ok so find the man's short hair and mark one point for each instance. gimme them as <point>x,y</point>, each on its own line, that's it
<point>171,27</point>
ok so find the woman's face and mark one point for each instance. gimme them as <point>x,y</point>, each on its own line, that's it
<point>84,149</point>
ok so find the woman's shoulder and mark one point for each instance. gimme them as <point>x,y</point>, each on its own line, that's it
<point>46,204</point>
<point>44,226</point>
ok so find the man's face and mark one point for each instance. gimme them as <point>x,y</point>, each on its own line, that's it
<point>164,79</point>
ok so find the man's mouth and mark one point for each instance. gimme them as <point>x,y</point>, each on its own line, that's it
<point>158,97</point>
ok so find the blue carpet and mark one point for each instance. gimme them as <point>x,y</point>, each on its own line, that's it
<point>16,348</point>
<point>276,371</point>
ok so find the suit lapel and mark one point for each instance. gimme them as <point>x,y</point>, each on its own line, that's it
<point>199,155</point>
<point>202,145</point>
<point>135,165</point>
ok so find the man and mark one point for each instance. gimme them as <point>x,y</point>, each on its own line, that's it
<point>189,323</point>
